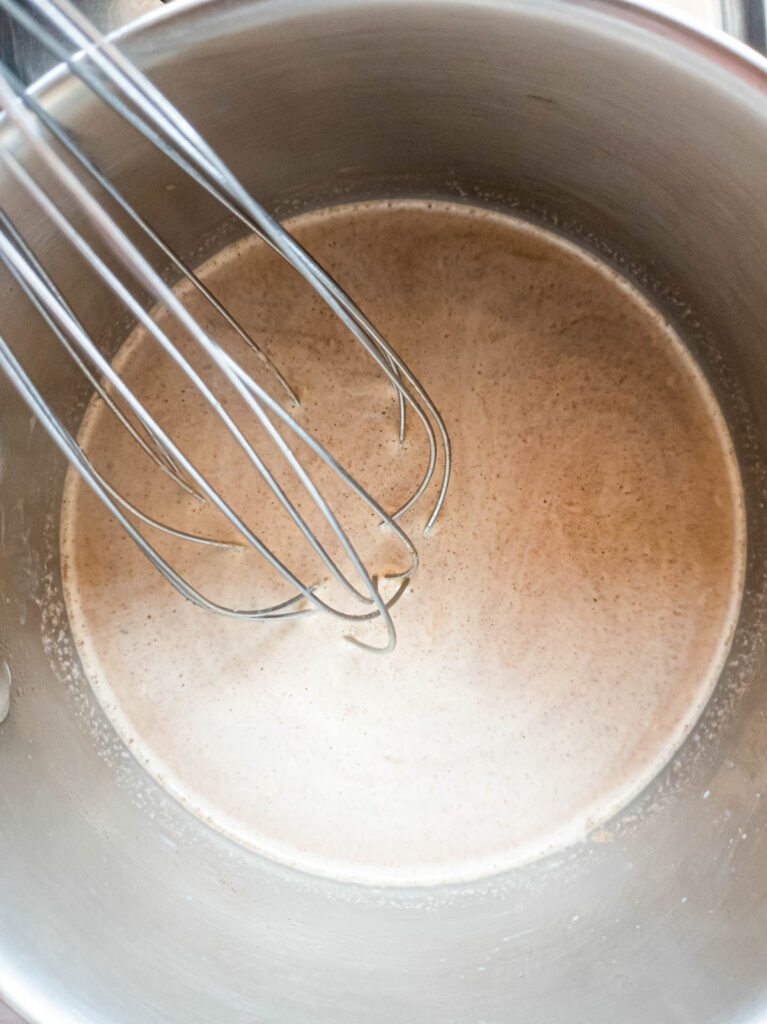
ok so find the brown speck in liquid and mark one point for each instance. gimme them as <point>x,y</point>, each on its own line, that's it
<point>574,602</point>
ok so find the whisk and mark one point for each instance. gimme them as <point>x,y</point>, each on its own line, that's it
<point>105,70</point>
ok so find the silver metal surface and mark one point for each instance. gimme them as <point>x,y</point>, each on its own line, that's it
<point>747,21</point>
<point>647,142</point>
<point>7,1015</point>
<point>29,59</point>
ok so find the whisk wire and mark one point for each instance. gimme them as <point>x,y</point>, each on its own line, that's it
<point>64,440</point>
<point>186,271</point>
<point>202,164</point>
<point>165,295</point>
<point>160,458</point>
<point>142,105</point>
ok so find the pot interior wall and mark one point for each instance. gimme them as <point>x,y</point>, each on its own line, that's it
<point>648,145</point>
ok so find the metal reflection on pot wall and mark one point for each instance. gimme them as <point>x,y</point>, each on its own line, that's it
<point>28,59</point>
<point>746,20</point>
<point>650,148</point>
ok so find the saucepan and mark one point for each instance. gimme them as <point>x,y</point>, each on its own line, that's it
<point>646,142</point>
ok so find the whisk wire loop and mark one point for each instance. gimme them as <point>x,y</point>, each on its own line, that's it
<point>103,68</point>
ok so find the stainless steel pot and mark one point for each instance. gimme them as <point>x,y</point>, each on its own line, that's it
<point>647,142</point>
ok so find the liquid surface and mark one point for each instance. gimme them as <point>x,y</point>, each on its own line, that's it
<point>574,603</point>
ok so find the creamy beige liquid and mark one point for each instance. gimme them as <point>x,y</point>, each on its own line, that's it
<point>574,602</point>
